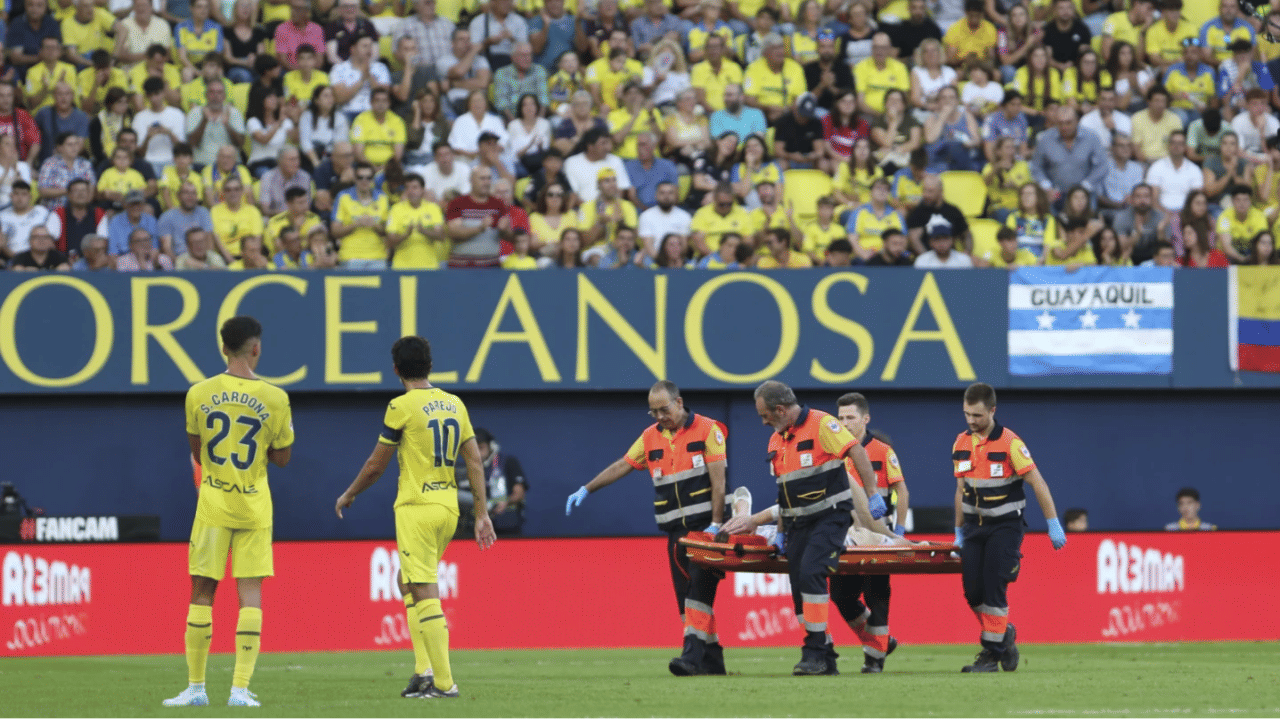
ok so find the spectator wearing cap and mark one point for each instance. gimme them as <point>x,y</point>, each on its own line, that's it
<point>464,137</point>
<point>120,229</point>
<point>879,74</point>
<point>907,35</point>
<point>736,117</point>
<point>942,253</point>
<point>827,75</point>
<point>601,217</point>
<point>1190,82</point>
<point>583,169</point>
<point>647,171</point>
<point>1188,499</point>
<point>974,39</point>
<point>773,82</point>
<point>714,74</point>
<point>799,142</point>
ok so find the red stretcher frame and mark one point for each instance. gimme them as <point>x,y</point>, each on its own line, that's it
<point>750,553</point>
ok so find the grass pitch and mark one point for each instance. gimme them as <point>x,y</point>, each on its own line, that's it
<point>1209,679</point>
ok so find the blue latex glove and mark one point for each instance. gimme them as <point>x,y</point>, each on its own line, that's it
<point>959,537</point>
<point>779,541</point>
<point>900,530</point>
<point>712,528</point>
<point>575,500</point>
<point>1056,535</point>
<point>878,508</point>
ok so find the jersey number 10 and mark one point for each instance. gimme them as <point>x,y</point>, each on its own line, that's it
<point>446,434</point>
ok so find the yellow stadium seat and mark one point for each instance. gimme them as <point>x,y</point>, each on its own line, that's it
<point>984,236</point>
<point>966,190</point>
<point>685,183</point>
<point>257,191</point>
<point>522,185</point>
<point>801,190</point>
<point>238,93</point>
<point>388,53</point>
<point>894,9</point>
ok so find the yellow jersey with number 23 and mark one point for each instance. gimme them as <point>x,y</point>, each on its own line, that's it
<point>238,421</point>
<point>428,426</point>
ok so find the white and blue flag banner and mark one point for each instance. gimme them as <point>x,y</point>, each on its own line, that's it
<point>1095,320</point>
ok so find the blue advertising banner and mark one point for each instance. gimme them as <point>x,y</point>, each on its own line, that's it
<point>594,330</point>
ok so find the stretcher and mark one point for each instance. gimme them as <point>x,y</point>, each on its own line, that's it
<point>753,553</point>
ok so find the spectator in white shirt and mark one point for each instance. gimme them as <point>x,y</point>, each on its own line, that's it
<point>664,218</point>
<point>1105,120</point>
<point>1255,126</point>
<point>18,220</point>
<point>583,169</point>
<point>1175,175</point>
<point>160,126</point>
<point>464,138</point>
<point>354,79</point>
<point>942,253</point>
<point>445,175</point>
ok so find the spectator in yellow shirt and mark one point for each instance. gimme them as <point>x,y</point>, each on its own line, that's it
<point>1130,26</point>
<point>711,76</point>
<point>773,82</point>
<point>378,134</point>
<point>415,230</point>
<point>44,75</point>
<point>302,82</point>
<point>1152,127</point>
<point>234,220</point>
<point>519,258</point>
<point>1238,224</point>
<point>119,179</point>
<point>713,220</point>
<point>878,74</point>
<point>781,253</point>
<point>974,39</point>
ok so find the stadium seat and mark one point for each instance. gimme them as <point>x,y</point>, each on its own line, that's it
<point>238,94</point>
<point>388,53</point>
<point>966,190</point>
<point>984,236</point>
<point>521,187</point>
<point>685,183</point>
<point>894,11</point>
<point>801,190</point>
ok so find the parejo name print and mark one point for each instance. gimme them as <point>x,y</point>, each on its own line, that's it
<point>1090,320</point>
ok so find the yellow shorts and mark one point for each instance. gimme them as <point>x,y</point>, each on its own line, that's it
<point>250,551</point>
<point>422,533</point>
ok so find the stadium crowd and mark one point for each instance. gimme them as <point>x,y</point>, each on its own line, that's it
<point>718,134</point>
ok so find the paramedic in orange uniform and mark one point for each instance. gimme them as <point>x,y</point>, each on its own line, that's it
<point>870,622</point>
<point>816,500</point>
<point>991,463</point>
<point>684,454</point>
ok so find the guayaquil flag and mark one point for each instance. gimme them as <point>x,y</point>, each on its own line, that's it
<point>1094,320</point>
<point>1253,321</point>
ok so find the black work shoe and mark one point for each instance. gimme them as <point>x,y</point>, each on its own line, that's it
<point>418,684</point>
<point>987,661</point>
<point>713,660</point>
<point>875,664</point>
<point>683,668</point>
<point>811,666</point>
<point>830,658</point>
<point>1009,660</point>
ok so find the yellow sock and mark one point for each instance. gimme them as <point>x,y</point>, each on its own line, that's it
<point>421,661</point>
<point>248,641</point>
<point>199,635</point>
<point>435,636</point>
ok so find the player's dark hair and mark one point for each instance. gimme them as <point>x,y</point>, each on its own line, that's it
<point>1073,514</point>
<point>857,400</point>
<point>238,331</point>
<point>1189,492</point>
<point>482,435</point>
<point>980,393</point>
<point>667,387</point>
<point>412,357</point>
<point>294,193</point>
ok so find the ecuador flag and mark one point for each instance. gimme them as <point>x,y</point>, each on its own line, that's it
<point>1254,320</point>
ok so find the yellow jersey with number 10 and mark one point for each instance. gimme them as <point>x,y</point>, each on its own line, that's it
<point>238,421</point>
<point>428,426</point>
